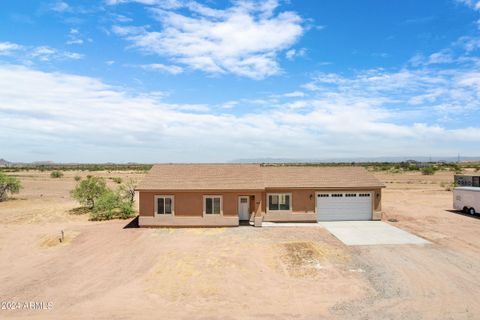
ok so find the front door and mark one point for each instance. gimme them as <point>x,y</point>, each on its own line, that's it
<point>244,208</point>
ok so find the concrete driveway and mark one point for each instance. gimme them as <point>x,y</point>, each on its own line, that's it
<point>360,233</point>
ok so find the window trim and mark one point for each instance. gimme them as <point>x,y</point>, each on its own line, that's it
<point>279,194</point>
<point>205,214</point>
<point>155,205</point>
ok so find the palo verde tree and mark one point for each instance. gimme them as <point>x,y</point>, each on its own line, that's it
<point>127,190</point>
<point>8,185</point>
<point>88,191</point>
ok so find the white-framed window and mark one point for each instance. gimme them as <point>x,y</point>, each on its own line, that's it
<point>337,195</point>
<point>350,195</point>
<point>364,195</point>
<point>164,205</point>
<point>212,205</point>
<point>324,195</point>
<point>279,201</point>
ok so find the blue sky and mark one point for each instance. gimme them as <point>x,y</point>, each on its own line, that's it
<point>208,81</point>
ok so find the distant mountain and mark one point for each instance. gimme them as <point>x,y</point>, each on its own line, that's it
<point>4,162</point>
<point>356,159</point>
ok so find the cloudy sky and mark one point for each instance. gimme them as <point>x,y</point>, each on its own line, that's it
<point>208,81</point>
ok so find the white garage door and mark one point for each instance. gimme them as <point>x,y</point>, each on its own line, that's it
<point>332,206</point>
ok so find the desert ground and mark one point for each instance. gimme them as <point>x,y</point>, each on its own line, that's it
<point>107,270</point>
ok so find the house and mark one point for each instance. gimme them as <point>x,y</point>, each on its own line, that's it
<point>225,194</point>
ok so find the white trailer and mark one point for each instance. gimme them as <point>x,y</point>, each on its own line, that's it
<point>467,199</point>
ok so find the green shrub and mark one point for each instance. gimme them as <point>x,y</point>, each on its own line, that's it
<point>117,180</point>
<point>126,210</point>
<point>8,185</point>
<point>56,174</point>
<point>127,190</point>
<point>111,205</point>
<point>105,206</point>
<point>77,178</point>
<point>88,191</point>
<point>428,171</point>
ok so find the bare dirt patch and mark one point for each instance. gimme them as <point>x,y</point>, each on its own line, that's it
<point>306,259</point>
<point>50,240</point>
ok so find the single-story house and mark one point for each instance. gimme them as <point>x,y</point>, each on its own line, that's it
<point>226,194</point>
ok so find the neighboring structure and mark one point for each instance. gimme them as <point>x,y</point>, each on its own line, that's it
<point>224,194</point>
<point>467,199</point>
<point>467,180</point>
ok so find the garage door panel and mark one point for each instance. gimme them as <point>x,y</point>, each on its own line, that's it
<point>331,208</point>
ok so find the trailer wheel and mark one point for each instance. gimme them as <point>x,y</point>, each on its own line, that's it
<point>472,211</point>
<point>465,210</point>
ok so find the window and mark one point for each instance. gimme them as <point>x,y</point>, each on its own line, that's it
<point>337,195</point>
<point>164,204</point>
<point>350,195</point>
<point>364,195</point>
<point>279,202</point>
<point>212,205</point>
<point>323,195</point>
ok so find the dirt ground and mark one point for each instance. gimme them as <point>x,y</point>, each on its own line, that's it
<point>105,270</point>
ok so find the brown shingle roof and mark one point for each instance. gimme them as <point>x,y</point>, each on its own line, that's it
<point>203,176</point>
<point>318,177</point>
<point>253,177</point>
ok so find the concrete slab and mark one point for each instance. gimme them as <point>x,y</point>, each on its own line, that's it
<point>360,233</point>
<point>291,224</point>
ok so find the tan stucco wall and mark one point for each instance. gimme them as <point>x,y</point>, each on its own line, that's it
<point>190,205</point>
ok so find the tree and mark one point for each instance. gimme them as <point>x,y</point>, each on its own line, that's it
<point>89,190</point>
<point>128,190</point>
<point>428,171</point>
<point>111,205</point>
<point>8,184</point>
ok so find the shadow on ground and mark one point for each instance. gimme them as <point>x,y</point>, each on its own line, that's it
<point>464,214</point>
<point>132,223</point>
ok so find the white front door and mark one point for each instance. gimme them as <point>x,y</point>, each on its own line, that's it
<point>243,208</point>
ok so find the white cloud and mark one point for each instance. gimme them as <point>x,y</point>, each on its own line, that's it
<point>294,94</point>
<point>25,54</point>
<point>60,6</point>
<point>7,48</point>
<point>162,3</point>
<point>474,4</point>
<point>78,118</point>
<point>292,53</point>
<point>243,39</point>
<point>172,69</point>
<point>74,37</point>
<point>468,43</point>
<point>46,53</point>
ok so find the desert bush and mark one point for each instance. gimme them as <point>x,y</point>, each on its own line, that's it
<point>111,205</point>
<point>127,190</point>
<point>117,180</point>
<point>77,178</point>
<point>88,191</point>
<point>428,171</point>
<point>8,185</point>
<point>56,174</point>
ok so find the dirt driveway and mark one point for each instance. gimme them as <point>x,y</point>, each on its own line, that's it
<point>106,271</point>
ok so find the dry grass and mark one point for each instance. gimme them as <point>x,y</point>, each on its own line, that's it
<point>50,240</point>
<point>306,259</point>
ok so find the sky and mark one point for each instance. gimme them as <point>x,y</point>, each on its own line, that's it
<point>213,81</point>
